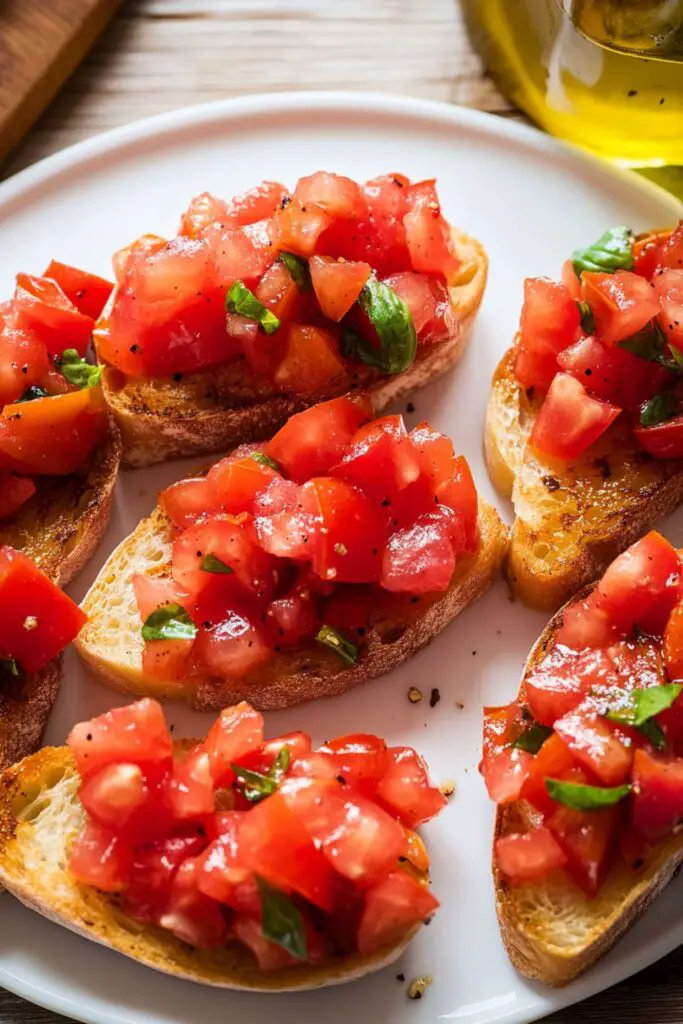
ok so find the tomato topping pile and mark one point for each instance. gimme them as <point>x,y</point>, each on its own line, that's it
<point>300,540</point>
<point>594,741</point>
<point>52,413</point>
<point>307,287</point>
<point>607,340</point>
<point>37,619</point>
<point>295,853</point>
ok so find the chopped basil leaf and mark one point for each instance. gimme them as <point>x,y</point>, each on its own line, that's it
<point>281,763</point>
<point>298,270</point>
<point>77,370</point>
<point>331,638</point>
<point>662,407</point>
<point>211,563</point>
<point>255,785</point>
<point>612,251</point>
<point>265,460</point>
<point>169,622</point>
<point>638,706</point>
<point>9,667</point>
<point>587,318</point>
<point>650,343</point>
<point>242,300</point>
<point>533,738</point>
<point>281,920</point>
<point>353,346</point>
<point>393,322</point>
<point>585,798</point>
<point>653,731</point>
<point>32,393</point>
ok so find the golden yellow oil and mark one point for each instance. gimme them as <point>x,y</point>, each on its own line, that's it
<point>595,72</point>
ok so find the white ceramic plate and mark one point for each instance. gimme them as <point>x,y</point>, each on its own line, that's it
<point>530,201</point>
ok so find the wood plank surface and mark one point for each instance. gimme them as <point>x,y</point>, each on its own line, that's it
<point>161,54</point>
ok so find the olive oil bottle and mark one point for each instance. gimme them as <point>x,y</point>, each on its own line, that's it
<point>604,74</point>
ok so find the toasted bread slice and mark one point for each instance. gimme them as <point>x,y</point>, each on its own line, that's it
<point>571,519</point>
<point>25,706</point>
<point>111,641</point>
<point>551,930</point>
<point>219,408</point>
<point>65,520</point>
<point>40,814</point>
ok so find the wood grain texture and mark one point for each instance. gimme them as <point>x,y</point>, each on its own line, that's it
<point>161,54</point>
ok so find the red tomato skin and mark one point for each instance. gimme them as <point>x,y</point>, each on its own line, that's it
<point>658,794</point>
<point>188,500</point>
<point>420,559</point>
<point>279,292</point>
<point>391,907</point>
<point>338,196</point>
<point>100,858</point>
<point>300,226</point>
<point>235,482</point>
<point>87,292</point>
<point>15,491</point>
<point>350,535</point>
<point>153,869</point>
<point>283,527</point>
<point>37,619</point>
<point>362,759</point>
<point>231,648</point>
<point>136,733</point>
<point>570,421</point>
<point>430,306</point>
<point>293,617</point>
<point>595,744</point>
<point>257,203</point>
<point>528,857</point>
<point>24,361</point>
<point>381,459</point>
<point>587,838</point>
<point>233,541</point>
<point>405,788</point>
<point>672,249</point>
<point>553,761</point>
<point>669,290</point>
<point>585,623</point>
<point>534,371</point>
<point>269,956</point>
<point>557,685</point>
<point>337,285</point>
<point>621,302</point>
<point>40,305</point>
<point>311,361</point>
<point>505,773</point>
<point>189,793</point>
<point>204,209</point>
<point>664,440</point>
<point>647,253</point>
<point>114,794</point>
<point>192,916</point>
<point>673,643</point>
<point>641,585</point>
<point>237,731</point>
<point>550,319</point>
<point>220,868</point>
<point>312,441</point>
<point>570,280</point>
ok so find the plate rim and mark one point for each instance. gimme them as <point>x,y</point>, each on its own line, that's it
<point>343,102</point>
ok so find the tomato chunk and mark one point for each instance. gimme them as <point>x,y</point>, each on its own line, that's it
<point>134,734</point>
<point>337,285</point>
<point>312,441</point>
<point>390,907</point>
<point>15,491</point>
<point>657,794</point>
<point>100,858</point>
<point>87,292</point>
<point>406,789</point>
<point>350,536</point>
<point>550,317</point>
<point>570,421</point>
<point>595,743</point>
<point>40,305</point>
<point>528,857</point>
<point>587,838</point>
<point>621,302</point>
<point>420,559</point>
<point>641,585</point>
<point>237,731</point>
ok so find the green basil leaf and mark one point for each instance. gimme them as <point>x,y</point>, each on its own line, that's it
<point>639,706</point>
<point>298,270</point>
<point>330,637</point>
<point>659,409</point>
<point>169,622</point>
<point>9,667</point>
<point>77,370</point>
<point>281,920</point>
<point>587,318</point>
<point>393,322</point>
<point>254,785</point>
<point>281,763</point>
<point>585,798</point>
<point>211,563</point>
<point>353,346</point>
<point>32,393</point>
<point>242,300</point>
<point>533,738</point>
<point>650,343</point>
<point>265,460</point>
<point>653,731</point>
<point>612,251</point>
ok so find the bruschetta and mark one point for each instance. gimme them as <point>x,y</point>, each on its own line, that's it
<point>59,448</point>
<point>584,429</point>
<point>297,569</point>
<point>586,768</point>
<point>37,621</point>
<point>234,862</point>
<point>269,303</point>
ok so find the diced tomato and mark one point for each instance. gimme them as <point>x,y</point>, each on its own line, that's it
<point>239,254</point>
<point>15,491</point>
<point>337,284</point>
<point>350,536</point>
<point>87,292</point>
<point>237,732</point>
<point>504,773</point>
<point>257,203</point>
<point>153,869</point>
<point>233,543</point>
<point>553,761</point>
<point>312,441</point>
<point>585,623</point>
<point>190,915</point>
<point>113,794</point>
<point>279,292</point>
<point>380,458</point>
<point>300,225</point>
<point>339,196</point>
<point>269,956</point>
<point>528,857</point>
<point>669,289</point>
<point>311,360</point>
<point>420,559</point>
<point>294,617</point>
<point>41,306</point>
<point>136,733</point>
<point>621,302</point>
<point>429,303</point>
<point>100,858</point>
<point>664,440</point>
<point>276,846</point>
<point>672,249</point>
<point>24,361</point>
<point>220,868</point>
<point>188,500</point>
<point>234,482</point>
<point>673,643</point>
<point>152,592</point>
<point>560,682</point>
<point>37,619</point>
<point>641,585</point>
<point>571,281</point>
<point>283,526</point>
<point>262,760</point>
<point>166,661</point>
<point>595,744</point>
<point>232,647</point>
<point>587,838</point>
<point>550,320</point>
<point>657,794</point>
<point>391,907</point>
<point>361,758</point>
<point>570,421</point>
<point>360,840</point>
<point>124,258</point>
<point>647,253</point>
<point>405,787</point>
<point>53,435</point>
<point>428,236</point>
<point>203,210</point>
<point>189,792</point>
<point>613,374</point>
<point>534,370</point>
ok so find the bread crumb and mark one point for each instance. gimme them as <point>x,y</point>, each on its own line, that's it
<point>459,705</point>
<point>447,787</point>
<point>414,695</point>
<point>417,988</point>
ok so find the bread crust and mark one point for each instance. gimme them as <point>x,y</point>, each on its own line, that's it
<point>217,409</point>
<point>112,645</point>
<point>39,816</point>
<point>25,706</point>
<point>533,918</point>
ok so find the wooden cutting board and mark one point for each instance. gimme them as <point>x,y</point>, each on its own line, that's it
<point>41,43</point>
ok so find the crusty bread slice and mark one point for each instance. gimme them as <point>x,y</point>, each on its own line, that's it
<point>222,407</point>
<point>40,814</point>
<point>551,930</point>
<point>63,523</point>
<point>25,706</point>
<point>112,644</point>
<point>571,520</point>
